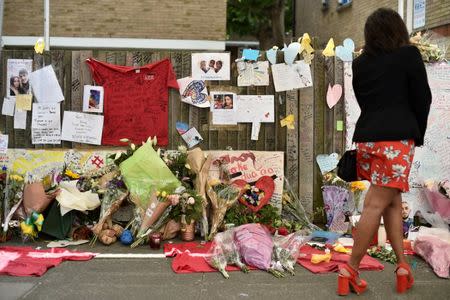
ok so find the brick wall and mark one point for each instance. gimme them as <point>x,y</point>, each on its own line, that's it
<point>349,21</point>
<point>169,19</point>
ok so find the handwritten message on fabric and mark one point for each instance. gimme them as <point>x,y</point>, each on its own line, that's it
<point>46,123</point>
<point>82,128</point>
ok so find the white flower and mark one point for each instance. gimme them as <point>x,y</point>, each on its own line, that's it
<point>124,140</point>
<point>133,146</point>
<point>182,149</point>
<point>191,200</point>
<point>155,141</point>
<point>118,154</point>
<point>187,166</point>
<point>158,151</point>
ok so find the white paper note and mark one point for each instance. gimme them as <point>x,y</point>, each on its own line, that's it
<point>46,123</point>
<point>20,119</point>
<point>256,126</point>
<point>256,73</point>
<point>296,76</point>
<point>192,137</point>
<point>256,108</point>
<point>82,128</point>
<point>3,143</point>
<point>8,106</point>
<point>45,85</point>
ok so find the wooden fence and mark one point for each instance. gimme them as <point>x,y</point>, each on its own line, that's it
<point>315,124</point>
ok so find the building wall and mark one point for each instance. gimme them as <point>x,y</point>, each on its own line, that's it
<point>169,19</point>
<point>349,21</point>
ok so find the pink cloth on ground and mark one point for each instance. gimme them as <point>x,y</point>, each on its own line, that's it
<point>26,261</point>
<point>436,252</point>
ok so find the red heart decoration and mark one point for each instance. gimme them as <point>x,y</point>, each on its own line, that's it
<point>264,185</point>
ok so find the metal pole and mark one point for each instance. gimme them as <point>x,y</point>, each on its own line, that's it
<point>47,24</point>
<point>401,8</point>
<point>2,4</point>
<point>409,14</point>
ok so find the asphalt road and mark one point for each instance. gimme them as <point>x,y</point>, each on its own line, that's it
<point>152,278</point>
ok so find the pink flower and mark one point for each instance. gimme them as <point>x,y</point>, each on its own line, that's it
<point>174,199</point>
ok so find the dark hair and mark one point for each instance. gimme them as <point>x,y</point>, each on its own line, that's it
<point>384,32</point>
<point>11,80</point>
<point>23,71</point>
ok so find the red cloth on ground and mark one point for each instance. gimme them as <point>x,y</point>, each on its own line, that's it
<point>367,263</point>
<point>190,258</point>
<point>135,100</point>
<point>26,261</point>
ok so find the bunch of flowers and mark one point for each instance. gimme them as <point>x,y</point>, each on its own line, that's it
<point>178,165</point>
<point>430,52</point>
<point>186,208</point>
<point>357,187</point>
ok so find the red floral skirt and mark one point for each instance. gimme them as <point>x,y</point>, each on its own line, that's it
<point>385,163</point>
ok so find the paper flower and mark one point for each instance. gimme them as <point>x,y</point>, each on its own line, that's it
<point>329,49</point>
<point>39,46</point>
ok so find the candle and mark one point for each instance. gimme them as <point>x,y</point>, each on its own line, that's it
<point>155,240</point>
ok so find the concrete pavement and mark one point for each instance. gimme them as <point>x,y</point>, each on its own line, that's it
<point>154,279</point>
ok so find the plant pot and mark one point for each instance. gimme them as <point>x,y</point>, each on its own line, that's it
<point>188,232</point>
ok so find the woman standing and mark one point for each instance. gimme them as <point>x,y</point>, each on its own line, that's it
<point>391,87</point>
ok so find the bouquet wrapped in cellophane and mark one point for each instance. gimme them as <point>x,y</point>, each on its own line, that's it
<point>222,196</point>
<point>150,182</point>
<point>286,249</point>
<point>200,166</point>
<point>224,252</point>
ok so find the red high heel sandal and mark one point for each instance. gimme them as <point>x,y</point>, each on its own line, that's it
<point>404,282</point>
<point>345,283</point>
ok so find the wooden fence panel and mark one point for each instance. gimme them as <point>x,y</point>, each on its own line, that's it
<point>315,124</point>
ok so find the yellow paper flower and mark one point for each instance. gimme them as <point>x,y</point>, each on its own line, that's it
<point>39,46</point>
<point>72,174</point>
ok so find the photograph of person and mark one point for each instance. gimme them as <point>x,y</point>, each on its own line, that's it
<point>203,66</point>
<point>228,101</point>
<point>17,72</point>
<point>218,102</point>
<point>14,85</point>
<point>94,99</point>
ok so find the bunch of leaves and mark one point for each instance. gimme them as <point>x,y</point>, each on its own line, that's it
<point>225,191</point>
<point>191,212</point>
<point>240,214</point>
<point>383,254</point>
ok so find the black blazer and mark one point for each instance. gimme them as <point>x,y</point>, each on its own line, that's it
<point>394,96</point>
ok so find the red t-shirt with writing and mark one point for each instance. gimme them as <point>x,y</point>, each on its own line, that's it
<point>135,100</point>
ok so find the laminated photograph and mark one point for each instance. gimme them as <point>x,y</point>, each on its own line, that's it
<point>93,99</point>
<point>17,73</point>
<point>211,66</point>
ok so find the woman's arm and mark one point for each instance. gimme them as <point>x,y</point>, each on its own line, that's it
<point>419,90</point>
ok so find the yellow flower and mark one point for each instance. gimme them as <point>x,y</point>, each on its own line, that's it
<point>357,186</point>
<point>158,193</point>
<point>72,174</point>
<point>16,177</point>
<point>164,194</point>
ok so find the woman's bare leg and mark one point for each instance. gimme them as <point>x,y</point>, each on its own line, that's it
<point>392,218</point>
<point>378,198</point>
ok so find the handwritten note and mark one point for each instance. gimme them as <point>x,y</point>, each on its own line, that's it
<point>82,128</point>
<point>327,162</point>
<point>8,106</point>
<point>45,85</point>
<point>256,108</point>
<point>256,73</point>
<point>292,77</point>
<point>23,102</point>
<point>20,119</point>
<point>256,126</point>
<point>3,143</point>
<point>46,123</point>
